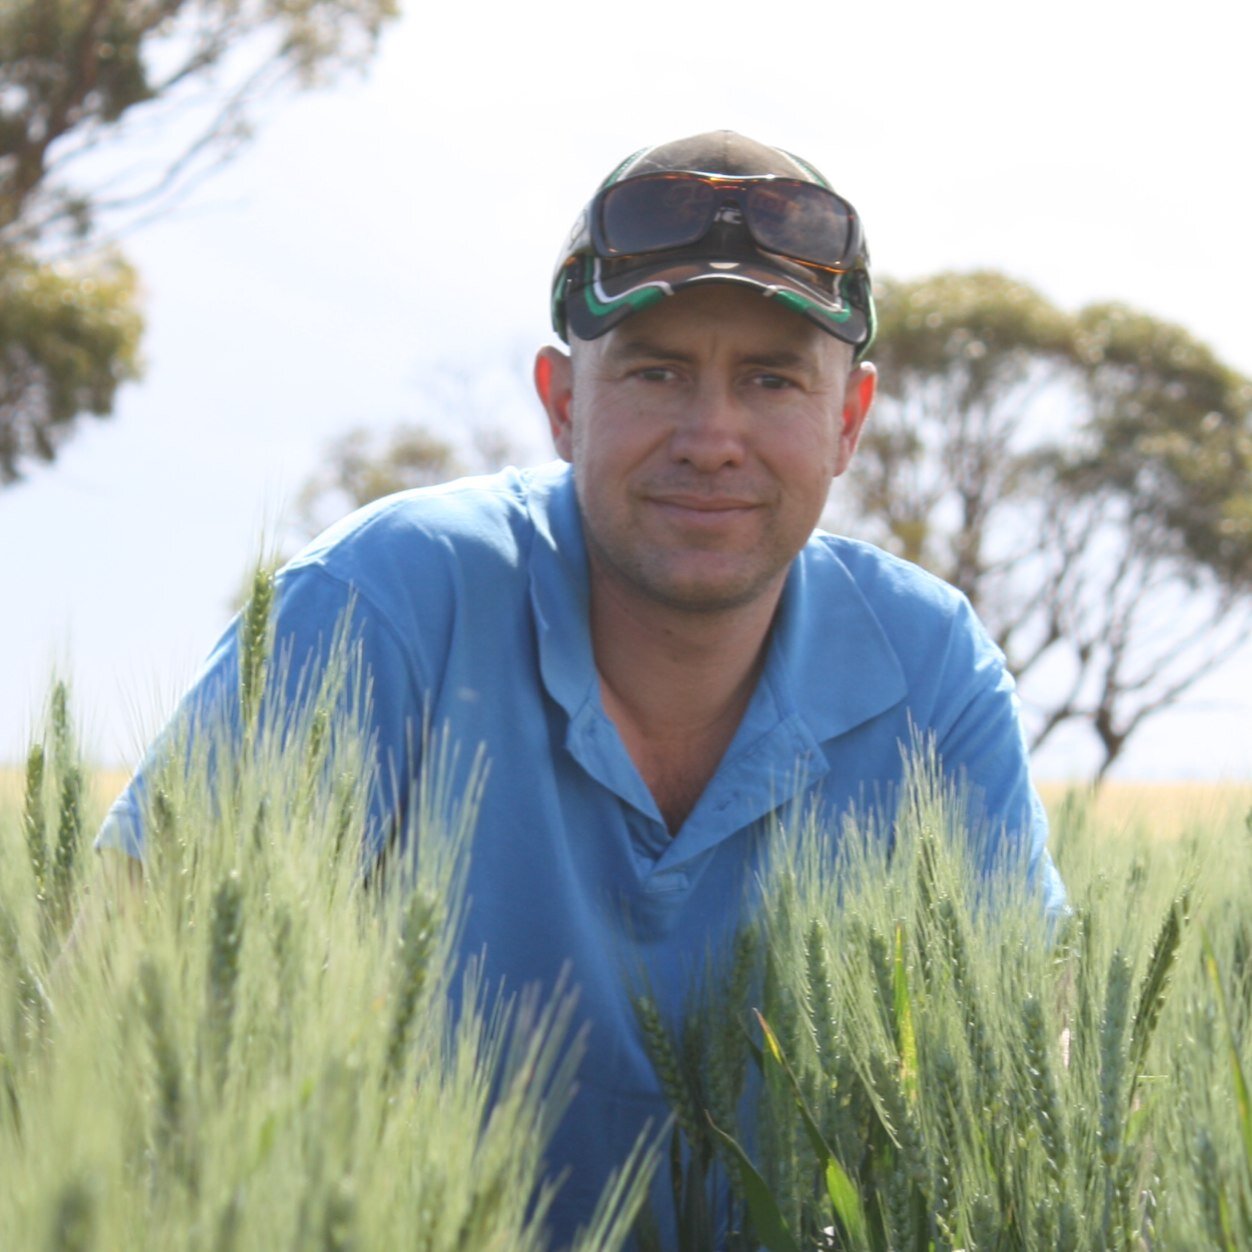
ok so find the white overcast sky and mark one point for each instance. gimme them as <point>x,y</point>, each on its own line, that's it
<point>377,235</point>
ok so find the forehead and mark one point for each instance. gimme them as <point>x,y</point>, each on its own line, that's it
<point>742,318</point>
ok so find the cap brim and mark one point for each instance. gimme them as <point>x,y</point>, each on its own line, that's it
<point>606,298</point>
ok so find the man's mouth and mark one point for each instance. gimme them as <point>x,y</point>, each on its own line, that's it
<point>697,503</point>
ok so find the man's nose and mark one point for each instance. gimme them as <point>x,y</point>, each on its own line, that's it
<point>711,432</point>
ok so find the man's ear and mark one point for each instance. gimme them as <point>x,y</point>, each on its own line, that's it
<point>858,397</point>
<point>554,383</point>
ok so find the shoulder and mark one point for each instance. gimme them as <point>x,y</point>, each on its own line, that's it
<point>484,514</point>
<point>931,627</point>
<point>412,567</point>
<point>442,537</point>
<point>897,590</point>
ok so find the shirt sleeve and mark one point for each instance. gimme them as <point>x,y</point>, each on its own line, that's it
<point>322,630</point>
<point>982,745</point>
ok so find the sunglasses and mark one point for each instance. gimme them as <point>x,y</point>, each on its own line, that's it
<point>661,212</point>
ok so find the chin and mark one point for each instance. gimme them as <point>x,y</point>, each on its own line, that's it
<point>710,595</point>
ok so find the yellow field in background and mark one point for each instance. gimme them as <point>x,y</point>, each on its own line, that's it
<point>104,786</point>
<point>1163,810</point>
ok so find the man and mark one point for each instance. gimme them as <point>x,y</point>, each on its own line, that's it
<point>650,644</point>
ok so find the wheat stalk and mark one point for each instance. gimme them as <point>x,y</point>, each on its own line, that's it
<point>1045,1095</point>
<point>73,1222</point>
<point>225,941</point>
<point>416,942</point>
<point>254,647</point>
<point>664,1058</point>
<point>34,823</point>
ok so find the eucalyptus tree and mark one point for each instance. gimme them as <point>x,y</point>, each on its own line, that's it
<point>1086,479</point>
<point>109,111</point>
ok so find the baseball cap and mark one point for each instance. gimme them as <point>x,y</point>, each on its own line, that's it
<point>746,234</point>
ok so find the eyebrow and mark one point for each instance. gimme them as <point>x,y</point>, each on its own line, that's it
<point>782,358</point>
<point>634,348</point>
<point>628,349</point>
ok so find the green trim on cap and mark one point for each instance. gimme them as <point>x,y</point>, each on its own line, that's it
<point>801,304</point>
<point>871,323</point>
<point>638,299</point>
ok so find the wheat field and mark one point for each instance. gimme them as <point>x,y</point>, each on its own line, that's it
<point>1157,810</point>
<point>900,1054</point>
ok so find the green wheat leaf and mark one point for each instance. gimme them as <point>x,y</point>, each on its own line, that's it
<point>771,1226</point>
<point>1242,1101</point>
<point>906,1037</point>
<point>844,1199</point>
<point>1156,983</point>
<point>845,1202</point>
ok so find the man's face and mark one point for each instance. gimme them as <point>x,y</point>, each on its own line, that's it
<point>704,433</point>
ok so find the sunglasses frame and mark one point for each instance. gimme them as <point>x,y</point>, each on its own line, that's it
<point>744,185</point>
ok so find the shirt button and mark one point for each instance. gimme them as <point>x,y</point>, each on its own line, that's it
<point>670,880</point>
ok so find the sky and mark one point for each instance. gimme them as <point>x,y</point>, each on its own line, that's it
<point>382,252</point>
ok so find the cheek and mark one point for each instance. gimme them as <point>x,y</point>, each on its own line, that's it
<point>809,442</point>
<point>596,459</point>
<point>614,440</point>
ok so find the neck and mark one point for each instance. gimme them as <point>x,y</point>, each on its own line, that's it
<point>676,685</point>
<point>674,673</point>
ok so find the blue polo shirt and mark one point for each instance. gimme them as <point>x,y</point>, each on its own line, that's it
<point>470,604</point>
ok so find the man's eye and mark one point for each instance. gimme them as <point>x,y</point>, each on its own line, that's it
<point>655,374</point>
<point>773,382</point>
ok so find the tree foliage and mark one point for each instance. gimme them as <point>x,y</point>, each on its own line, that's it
<point>1086,479</point>
<point>358,469</point>
<point>89,93</point>
<point>472,418</point>
<point>68,337</point>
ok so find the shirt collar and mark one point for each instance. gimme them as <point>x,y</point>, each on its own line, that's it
<point>830,665</point>
<point>559,601</point>
<point>830,660</point>
<point>558,590</point>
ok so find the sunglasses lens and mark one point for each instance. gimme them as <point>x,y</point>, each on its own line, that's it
<point>652,214</point>
<point>800,221</point>
<point>657,212</point>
